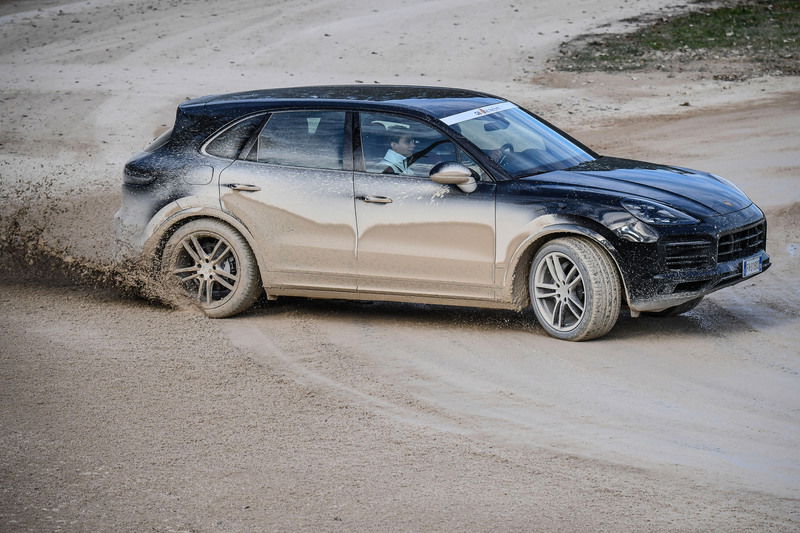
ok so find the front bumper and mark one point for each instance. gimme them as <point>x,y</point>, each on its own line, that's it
<point>685,265</point>
<point>675,288</point>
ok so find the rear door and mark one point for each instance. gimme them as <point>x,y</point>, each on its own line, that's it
<point>293,188</point>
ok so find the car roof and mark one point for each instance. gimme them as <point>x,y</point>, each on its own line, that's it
<point>438,102</point>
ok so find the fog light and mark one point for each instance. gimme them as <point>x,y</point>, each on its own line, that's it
<point>636,231</point>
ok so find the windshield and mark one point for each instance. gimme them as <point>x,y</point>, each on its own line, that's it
<point>517,141</point>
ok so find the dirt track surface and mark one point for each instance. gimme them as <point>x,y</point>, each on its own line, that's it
<point>123,415</point>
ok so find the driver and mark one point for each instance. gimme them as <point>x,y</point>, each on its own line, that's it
<point>400,155</point>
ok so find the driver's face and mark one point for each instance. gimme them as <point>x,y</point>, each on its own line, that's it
<point>405,145</point>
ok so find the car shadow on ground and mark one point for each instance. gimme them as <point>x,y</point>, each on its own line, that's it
<point>707,320</point>
<point>411,314</point>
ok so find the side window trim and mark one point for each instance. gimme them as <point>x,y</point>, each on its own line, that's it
<point>358,150</point>
<point>248,146</point>
<point>348,159</point>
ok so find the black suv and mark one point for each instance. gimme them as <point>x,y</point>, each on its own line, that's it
<point>426,194</point>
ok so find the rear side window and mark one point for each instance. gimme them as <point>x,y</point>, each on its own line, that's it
<point>311,139</point>
<point>230,142</point>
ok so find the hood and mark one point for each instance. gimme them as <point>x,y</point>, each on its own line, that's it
<point>689,190</point>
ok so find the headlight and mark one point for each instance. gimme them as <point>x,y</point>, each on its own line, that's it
<point>655,213</point>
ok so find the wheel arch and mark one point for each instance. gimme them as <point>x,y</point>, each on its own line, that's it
<point>517,277</point>
<point>174,216</point>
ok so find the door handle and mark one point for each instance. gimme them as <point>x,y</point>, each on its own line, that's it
<point>375,199</point>
<point>242,187</point>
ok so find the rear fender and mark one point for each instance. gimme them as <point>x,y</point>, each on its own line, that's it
<point>177,213</point>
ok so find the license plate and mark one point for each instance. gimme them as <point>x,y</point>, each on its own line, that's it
<point>751,266</point>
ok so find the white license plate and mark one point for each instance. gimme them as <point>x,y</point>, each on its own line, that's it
<point>751,265</point>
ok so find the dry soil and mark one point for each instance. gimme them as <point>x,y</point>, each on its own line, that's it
<point>120,414</point>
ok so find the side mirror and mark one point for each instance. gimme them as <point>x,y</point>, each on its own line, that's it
<point>452,173</point>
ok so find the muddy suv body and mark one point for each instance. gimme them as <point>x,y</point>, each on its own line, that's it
<point>432,195</point>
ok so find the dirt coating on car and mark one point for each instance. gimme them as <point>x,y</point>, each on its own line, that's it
<point>122,413</point>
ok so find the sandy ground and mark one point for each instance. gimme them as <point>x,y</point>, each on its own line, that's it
<point>119,414</point>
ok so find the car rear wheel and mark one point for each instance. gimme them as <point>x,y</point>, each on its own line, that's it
<point>575,290</point>
<point>211,263</point>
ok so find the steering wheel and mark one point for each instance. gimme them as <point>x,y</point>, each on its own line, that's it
<point>506,150</point>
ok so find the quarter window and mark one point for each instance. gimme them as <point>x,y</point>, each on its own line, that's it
<point>311,139</point>
<point>230,142</point>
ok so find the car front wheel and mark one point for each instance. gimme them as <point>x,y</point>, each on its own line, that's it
<point>211,263</point>
<point>575,290</point>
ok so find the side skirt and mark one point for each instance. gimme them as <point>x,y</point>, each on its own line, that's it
<point>273,292</point>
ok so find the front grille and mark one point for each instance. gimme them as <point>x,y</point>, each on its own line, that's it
<point>687,253</point>
<point>742,243</point>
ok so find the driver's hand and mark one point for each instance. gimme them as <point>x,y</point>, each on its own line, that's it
<point>496,155</point>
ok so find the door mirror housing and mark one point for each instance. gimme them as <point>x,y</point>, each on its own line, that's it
<point>452,173</point>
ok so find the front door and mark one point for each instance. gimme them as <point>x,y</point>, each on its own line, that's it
<point>416,236</point>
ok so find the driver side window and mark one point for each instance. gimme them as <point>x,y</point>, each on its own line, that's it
<point>397,145</point>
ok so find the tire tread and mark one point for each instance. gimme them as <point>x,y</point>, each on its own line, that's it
<point>248,286</point>
<point>603,305</point>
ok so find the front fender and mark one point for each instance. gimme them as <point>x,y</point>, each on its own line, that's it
<point>514,287</point>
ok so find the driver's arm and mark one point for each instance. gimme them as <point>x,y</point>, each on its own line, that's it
<point>422,153</point>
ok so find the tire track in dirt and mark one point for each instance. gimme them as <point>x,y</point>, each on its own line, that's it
<point>684,400</point>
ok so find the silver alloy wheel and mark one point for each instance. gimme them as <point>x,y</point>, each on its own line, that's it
<point>207,267</point>
<point>212,263</point>
<point>559,292</point>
